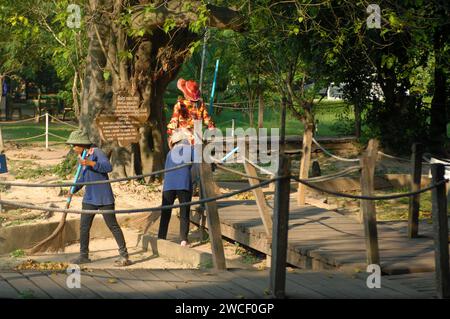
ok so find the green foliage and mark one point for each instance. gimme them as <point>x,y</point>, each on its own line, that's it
<point>67,167</point>
<point>18,253</point>
<point>199,24</point>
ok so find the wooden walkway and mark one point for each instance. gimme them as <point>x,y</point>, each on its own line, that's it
<point>323,239</point>
<point>198,284</point>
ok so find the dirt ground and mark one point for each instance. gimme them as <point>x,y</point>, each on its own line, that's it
<point>36,163</point>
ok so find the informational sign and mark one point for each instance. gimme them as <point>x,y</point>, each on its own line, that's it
<point>123,122</point>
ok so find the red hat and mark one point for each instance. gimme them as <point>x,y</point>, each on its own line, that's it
<point>189,88</point>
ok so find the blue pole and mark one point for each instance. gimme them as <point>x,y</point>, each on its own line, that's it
<point>77,174</point>
<point>211,101</point>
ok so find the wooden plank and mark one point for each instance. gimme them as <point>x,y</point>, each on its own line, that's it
<point>119,285</point>
<point>311,283</point>
<point>80,293</point>
<point>440,228</point>
<point>212,287</point>
<point>304,163</point>
<point>254,290</point>
<point>280,230</point>
<point>191,289</point>
<point>54,290</point>
<point>235,290</point>
<point>263,209</point>
<point>367,163</point>
<point>155,287</point>
<point>215,234</point>
<point>25,287</point>
<point>7,291</point>
<point>99,286</point>
<point>414,201</point>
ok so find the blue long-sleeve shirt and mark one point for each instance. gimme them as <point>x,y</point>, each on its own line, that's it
<point>99,194</point>
<point>179,179</point>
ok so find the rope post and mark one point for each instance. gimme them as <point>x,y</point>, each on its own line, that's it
<point>305,162</point>
<point>46,130</point>
<point>414,201</point>
<point>215,234</point>
<point>440,231</point>
<point>280,230</point>
<point>368,212</point>
<point>232,127</point>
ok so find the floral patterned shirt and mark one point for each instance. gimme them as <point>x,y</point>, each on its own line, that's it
<point>185,113</point>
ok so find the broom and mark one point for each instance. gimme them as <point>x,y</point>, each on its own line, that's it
<point>55,242</point>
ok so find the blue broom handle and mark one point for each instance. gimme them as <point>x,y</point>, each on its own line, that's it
<point>77,174</point>
<point>211,101</point>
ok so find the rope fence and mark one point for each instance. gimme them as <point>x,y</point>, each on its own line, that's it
<point>137,210</point>
<point>46,133</point>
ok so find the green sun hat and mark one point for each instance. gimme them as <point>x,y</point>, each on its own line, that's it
<point>78,137</point>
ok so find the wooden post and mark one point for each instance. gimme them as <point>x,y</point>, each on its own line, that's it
<point>368,212</point>
<point>280,230</point>
<point>263,208</point>
<point>261,109</point>
<point>304,163</point>
<point>414,201</point>
<point>215,234</point>
<point>440,232</point>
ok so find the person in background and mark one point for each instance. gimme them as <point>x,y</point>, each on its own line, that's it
<point>177,184</point>
<point>96,167</point>
<point>188,109</point>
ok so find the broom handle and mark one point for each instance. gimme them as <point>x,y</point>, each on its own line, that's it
<point>77,174</point>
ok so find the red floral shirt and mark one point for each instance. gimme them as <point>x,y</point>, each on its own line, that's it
<point>185,113</point>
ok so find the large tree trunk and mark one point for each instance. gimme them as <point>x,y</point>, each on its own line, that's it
<point>438,128</point>
<point>155,62</point>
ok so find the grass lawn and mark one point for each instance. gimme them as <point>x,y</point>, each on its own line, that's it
<point>326,113</point>
<point>10,132</point>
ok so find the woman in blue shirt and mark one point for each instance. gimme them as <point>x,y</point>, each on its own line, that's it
<point>177,184</point>
<point>96,167</point>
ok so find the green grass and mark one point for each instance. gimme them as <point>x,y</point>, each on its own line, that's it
<point>11,132</point>
<point>327,113</point>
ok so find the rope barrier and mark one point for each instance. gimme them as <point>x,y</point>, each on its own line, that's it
<point>385,197</point>
<point>57,119</point>
<point>399,158</point>
<point>259,167</point>
<point>334,156</point>
<point>123,179</point>
<point>25,138</point>
<point>136,210</point>
<point>222,167</point>
<point>20,121</point>
<point>328,177</point>
<point>57,136</point>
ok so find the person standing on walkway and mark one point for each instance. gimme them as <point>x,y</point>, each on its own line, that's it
<point>177,184</point>
<point>189,109</point>
<point>96,167</point>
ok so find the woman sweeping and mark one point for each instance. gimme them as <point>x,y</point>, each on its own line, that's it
<point>95,167</point>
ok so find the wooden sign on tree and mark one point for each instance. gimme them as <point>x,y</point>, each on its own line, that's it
<point>123,122</point>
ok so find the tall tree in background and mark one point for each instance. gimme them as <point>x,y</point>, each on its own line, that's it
<point>137,48</point>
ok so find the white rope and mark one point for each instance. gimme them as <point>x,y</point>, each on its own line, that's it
<point>234,108</point>
<point>325,178</point>
<point>265,171</point>
<point>334,156</point>
<point>57,119</point>
<point>25,138</point>
<point>20,121</point>
<point>399,158</point>
<point>54,135</point>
